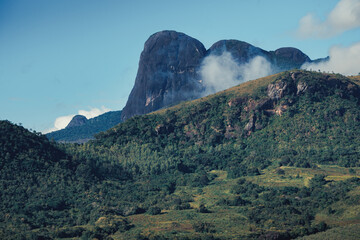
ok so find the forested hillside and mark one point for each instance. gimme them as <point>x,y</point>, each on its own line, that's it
<point>274,158</point>
<point>293,119</point>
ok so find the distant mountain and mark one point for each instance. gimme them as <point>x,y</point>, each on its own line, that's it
<point>80,129</point>
<point>169,64</point>
<point>77,121</point>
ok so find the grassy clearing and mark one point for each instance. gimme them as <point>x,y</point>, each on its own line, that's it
<point>299,177</point>
<point>230,222</point>
<point>350,232</point>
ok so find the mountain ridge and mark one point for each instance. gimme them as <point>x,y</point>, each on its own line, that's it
<point>168,73</point>
<point>188,49</point>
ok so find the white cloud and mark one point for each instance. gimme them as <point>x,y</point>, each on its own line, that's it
<point>93,112</point>
<point>345,16</point>
<point>222,72</point>
<point>63,121</point>
<point>344,60</point>
<point>257,67</point>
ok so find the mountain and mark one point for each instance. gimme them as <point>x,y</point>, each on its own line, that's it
<point>288,58</point>
<point>77,121</point>
<point>169,66</point>
<point>80,129</point>
<point>166,73</point>
<point>273,158</point>
<point>281,59</point>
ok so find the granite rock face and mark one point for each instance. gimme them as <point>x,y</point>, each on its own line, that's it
<point>167,73</point>
<point>281,59</point>
<point>288,58</point>
<point>241,51</point>
<point>277,90</point>
<point>169,66</point>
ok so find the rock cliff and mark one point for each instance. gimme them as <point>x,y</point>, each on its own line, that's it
<point>169,66</point>
<point>167,73</point>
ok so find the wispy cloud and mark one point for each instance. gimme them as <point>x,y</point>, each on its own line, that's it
<point>219,72</point>
<point>93,112</point>
<point>345,16</point>
<point>63,121</point>
<point>344,60</point>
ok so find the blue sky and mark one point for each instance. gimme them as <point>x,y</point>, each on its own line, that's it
<point>60,57</point>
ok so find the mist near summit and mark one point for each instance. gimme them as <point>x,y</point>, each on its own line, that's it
<point>343,60</point>
<point>220,72</point>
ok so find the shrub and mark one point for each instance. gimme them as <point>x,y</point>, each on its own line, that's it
<point>154,210</point>
<point>202,209</point>
<point>203,227</point>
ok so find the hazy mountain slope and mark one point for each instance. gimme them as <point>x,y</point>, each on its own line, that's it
<point>80,133</point>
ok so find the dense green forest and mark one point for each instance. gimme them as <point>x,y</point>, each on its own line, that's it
<point>274,158</point>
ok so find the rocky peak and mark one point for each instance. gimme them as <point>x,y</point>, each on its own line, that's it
<point>241,51</point>
<point>167,73</point>
<point>289,57</point>
<point>292,54</point>
<point>169,64</point>
<point>76,121</point>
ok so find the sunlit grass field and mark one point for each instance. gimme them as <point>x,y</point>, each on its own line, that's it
<point>230,222</point>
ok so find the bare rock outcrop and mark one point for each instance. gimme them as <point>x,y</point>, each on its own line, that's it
<point>167,73</point>
<point>277,90</point>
